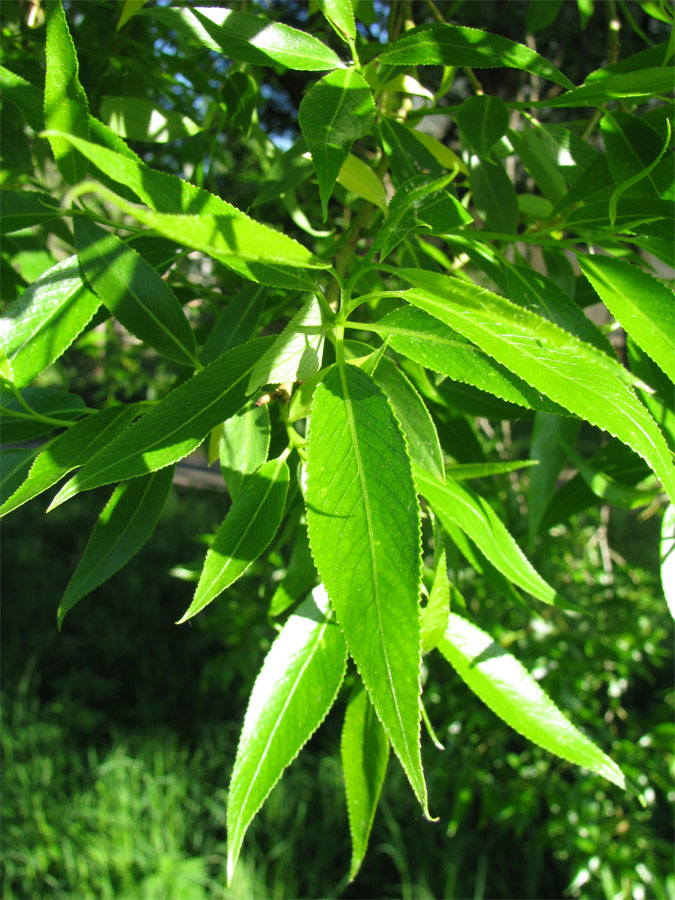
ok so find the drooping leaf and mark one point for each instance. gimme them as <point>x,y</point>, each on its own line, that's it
<point>247,529</point>
<point>14,465</point>
<point>494,195</point>
<point>435,613</point>
<point>59,406</point>
<point>504,685</point>
<point>364,750</point>
<point>247,38</point>
<point>292,695</point>
<point>68,451</point>
<point>239,95</point>
<point>133,292</point>
<point>453,45</point>
<point>417,424</point>
<point>289,171</point>
<point>243,445</point>
<point>668,557</point>
<point>360,179</point>
<point>124,525</point>
<point>465,471</point>
<point>38,327</point>
<point>25,96</point>
<point>607,488</point>
<point>460,506</point>
<point>66,107</point>
<point>236,323</point>
<point>632,146</point>
<point>334,113</point>
<point>300,575</point>
<point>138,119</point>
<point>295,355</point>
<point>643,305</point>
<point>195,218</point>
<point>483,120</point>
<point>22,209</point>
<point>175,426</point>
<point>426,340</point>
<point>643,83</point>
<point>547,449</point>
<point>362,517</point>
<point>541,160</point>
<point>577,376</point>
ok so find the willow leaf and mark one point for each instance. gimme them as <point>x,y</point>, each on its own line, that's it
<point>243,444</point>
<point>504,685</point>
<point>292,695</point>
<point>363,522</point>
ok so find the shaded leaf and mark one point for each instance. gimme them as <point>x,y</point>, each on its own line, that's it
<point>642,83</point>
<point>494,195</point>
<point>243,445</point>
<point>16,424</point>
<point>546,448</point>
<point>435,613</point>
<point>22,209</point>
<point>300,575</point>
<point>124,525</point>
<point>236,324</point>
<point>292,695</point>
<point>504,685</point>
<point>138,119</point>
<point>483,120</point>
<point>14,465</point>
<point>239,94</point>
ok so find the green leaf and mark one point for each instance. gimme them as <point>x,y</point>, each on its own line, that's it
<point>25,96</point>
<point>577,376</point>
<point>18,425</point>
<point>460,506</point>
<point>289,171</point>
<point>124,525</point>
<point>243,446</point>
<point>138,119</point>
<point>360,179</point>
<point>483,120</point>
<point>300,575</point>
<point>464,471</point>
<point>247,38</point>
<point>296,353</point>
<point>364,749</point>
<point>643,305</point>
<point>292,695</point>
<point>239,94</point>
<point>643,83</point>
<point>334,113</point>
<point>236,324</point>
<point>426,340</point>
<point>504,685</point>
<point>66,106</point>
<point>419,204</point>
<point>546,448</point>
<point>494,195</point>
<point>668,557</point>
<point>541,161</point>
<point>134,293</point>
<point>23,209</point>
<point>14,465</point>
<point>175,426</point>
<point>205,222</point>
<point>341,16</point>
<point>413,416</point>
<point>68,451</point>
<point>541,15</point>
<point>408,154</point>
<point>247,529</point>
<point>38,327</point>
<point>607,488</point>
<point>435,613</point>
<point>633,148</point>
<point>363,523</point>
<point>130,8</point>
<point>452,45</point>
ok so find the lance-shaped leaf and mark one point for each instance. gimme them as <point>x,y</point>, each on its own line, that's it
<point>195,218</point>
<point>296,353</point>
<point>643,305</point>
<point>494,195</point>
<point>66,107</point>
<point>239,94</point>
<point>247,38</point>
<point>417,424</point>
<point>642,83</point>
<point>452,45</point>
<point>334,113</point>
<point>70,450</point>
<point>22,209</point>
<point>632,147</point>
<point>236,323</point>
<point>14,465</point>
<point>243,445</point>
<point>138,119</point>
<point>574,374</point>
<point>360,179</point>
<point>363,522</point>
<point>300,575</point>
<point>483,120</point>
<point>434,345</point>
<point>16,424</point>
<point>292,695</point>
<point>44,321</point>
<point>134,293</point>
<point>175,427</point>
<point>25,96</point>
<point>364,750</point>
<point>540,157</point>
<point>124,525</point>
<point>668,557</point>
<point>247,529</point>
<point>458,505</point>
<point>408,154</point>
<point>435,613</point>
<point>547,450</point>
<point>504,685</point>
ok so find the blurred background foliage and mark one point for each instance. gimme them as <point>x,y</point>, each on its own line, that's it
<point>119,732</point>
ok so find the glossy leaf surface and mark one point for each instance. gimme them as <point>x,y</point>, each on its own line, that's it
<point>292,695</point>
<point>124,525</point>
<point>504,685</point>
<point>363,522</point>
<point>247,529</point>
